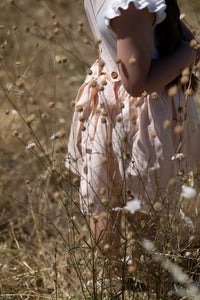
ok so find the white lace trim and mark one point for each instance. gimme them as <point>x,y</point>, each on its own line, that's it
<point>154,6</point>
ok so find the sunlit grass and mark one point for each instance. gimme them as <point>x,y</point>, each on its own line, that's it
<point>46,248</point>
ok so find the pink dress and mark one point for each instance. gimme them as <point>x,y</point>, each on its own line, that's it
<point>121,146</point>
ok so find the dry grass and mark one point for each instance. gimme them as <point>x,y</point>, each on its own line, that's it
<point>45,246</point>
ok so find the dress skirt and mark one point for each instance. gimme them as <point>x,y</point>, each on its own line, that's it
<point>131,148</point>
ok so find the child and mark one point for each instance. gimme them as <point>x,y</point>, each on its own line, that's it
<point>135,125</point>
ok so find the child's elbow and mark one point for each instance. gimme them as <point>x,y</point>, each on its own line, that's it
<point>134,89</point>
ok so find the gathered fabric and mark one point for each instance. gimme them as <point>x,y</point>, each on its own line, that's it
<point>123,147</point>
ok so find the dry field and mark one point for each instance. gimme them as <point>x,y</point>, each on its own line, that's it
<point>45,246</point>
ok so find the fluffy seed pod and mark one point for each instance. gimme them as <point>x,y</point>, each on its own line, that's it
<point>178,129</point>
<point>118,60</point>
<point>173,91</point>
<point>132,60</point>
<point>102,191</point>
<point>51,104</point>
<point>166,124</point>
<point>154,95</point>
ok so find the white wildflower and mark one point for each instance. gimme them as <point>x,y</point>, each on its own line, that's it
<point>132,206</point>
<point>55,136</point>
<point>188,192</point>
<point>9,86</point>
<point>88,283</point>
<point>188,221</point>
<point>178,156</point>
<point>148,245</point>
<point>175,270</point>
<point>30,146</point>
<point>182,16</point>
<point>14,112</point>
<point>117,208</point>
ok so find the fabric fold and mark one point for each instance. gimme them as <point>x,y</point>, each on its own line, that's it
<point>113,9</point>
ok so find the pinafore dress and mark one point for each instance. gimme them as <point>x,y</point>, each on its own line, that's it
<point>124,147</point>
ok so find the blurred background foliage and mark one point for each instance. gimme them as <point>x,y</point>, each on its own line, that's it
<point>46,48</point>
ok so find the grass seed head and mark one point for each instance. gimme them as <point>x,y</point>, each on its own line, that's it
<point>97,42</point>
<point>124,138</point>
<point>54,169</point>
<point>186,72</point>
<point>58,59</point>
<point>103,120</point>
<point>189,92</point>
<point>20,84</point>
<point>157,206</point>
<point>44,116</point>
<point>144,94</point>
<point>56,31</point>
<point>104,201</point>
<point>193,43</point>
<point>118,119</point>
<point>173,91</point>
<point>121,105</point>
<point>132,60</point>
<point>66,174</point>
<point>166,124</point>
<point>106,248</point>
<point>76,181</point>
<point>152,133</point>
<point>56,195</point>
<point>118,60</point>
<point>154,95</point>
<point>49,37</point>
<point>91,204</point>
<point>72,103</point>
<point>132,269</point>
<point>61,133</point>
<point>104,159</point>
<point>89,72</point>
<point>133,119</point>
<point>15,133</point>
<point>53,15</point>
<point>184,79</point>
<point>51,104</point>
<point>178,129</point>
<point>102,191</point>
<point>56,24</point>
<point>93,83</point>
<point>104,82</point>
<point>104,113</point>
<point>101,63</point>
<point>81,118</point>
<point>100,88</point>
<point>79,108</point>
<point>127,156</point>
<point>86,41</point>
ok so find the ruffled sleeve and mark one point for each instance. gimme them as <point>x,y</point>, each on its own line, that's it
<point>154,6</point>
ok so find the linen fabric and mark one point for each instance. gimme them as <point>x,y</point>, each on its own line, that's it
<point>122,146</point>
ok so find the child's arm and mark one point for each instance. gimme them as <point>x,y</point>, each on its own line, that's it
<point>134,30</point>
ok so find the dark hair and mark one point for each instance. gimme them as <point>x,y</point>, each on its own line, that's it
<point>168,37</point>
